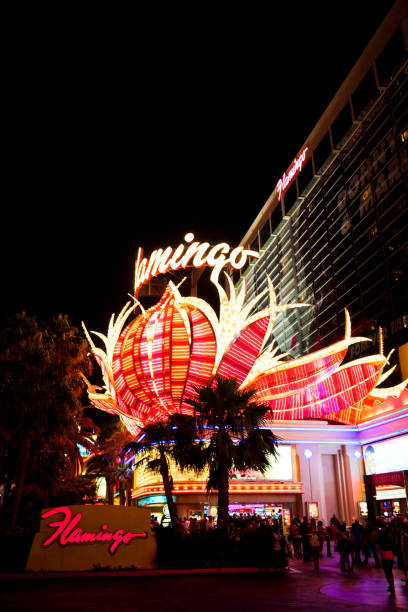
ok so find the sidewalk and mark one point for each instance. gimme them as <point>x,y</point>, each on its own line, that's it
<point>364,585</point>
<point>240,589</point>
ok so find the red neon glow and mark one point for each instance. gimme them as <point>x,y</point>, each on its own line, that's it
<point>242,355</point>
<point>345,387</point>
<point>201,487</point>
<point>152,366</point>
<point>296,167</point>
<point>66,532</point>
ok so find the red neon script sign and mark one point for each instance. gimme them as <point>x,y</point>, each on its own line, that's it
<point>286,179</point>
<point>67,532</point>
<point>197,254</point>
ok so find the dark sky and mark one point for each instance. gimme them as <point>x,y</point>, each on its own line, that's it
<point>134,133</point>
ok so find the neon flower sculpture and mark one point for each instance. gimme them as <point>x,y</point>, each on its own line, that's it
<point>151,366</point>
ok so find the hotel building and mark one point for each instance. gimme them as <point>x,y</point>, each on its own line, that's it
<point>334,234</point>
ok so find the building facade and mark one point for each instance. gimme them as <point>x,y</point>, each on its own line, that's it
<point>334,231</point>
<point>322,469</point>
<point>334,234</point>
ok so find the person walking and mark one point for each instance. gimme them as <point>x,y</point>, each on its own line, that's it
<point>356,530</point>
<point>314,544</point>
<point>277,553</point>
<point>387,544</point>
<point>296,539</point>
<point>305,533</point>
<point>344,548</point>
<point>370,543</point>
<point>328,532</point>
<point>335,521</point>
<point>321,536</point>
<point>403,532</point>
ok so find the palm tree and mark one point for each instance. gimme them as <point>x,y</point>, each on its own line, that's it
<point>100,466</point>
<point>122,473</point>
<point>81,433</point>
<point>153,450</point>
<point>231,422</point>
<point>107,463</point>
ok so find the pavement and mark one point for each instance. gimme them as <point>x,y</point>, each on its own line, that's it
<point>212,590</point>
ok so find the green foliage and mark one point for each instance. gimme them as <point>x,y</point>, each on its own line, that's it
<point>40,405</point>
<point>40,366</point>
<point>108,462</point>
<point>160,442</point>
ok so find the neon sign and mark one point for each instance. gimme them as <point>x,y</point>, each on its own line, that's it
<point>196,254</point>
<point>67,532</point>
<point>286,179</point>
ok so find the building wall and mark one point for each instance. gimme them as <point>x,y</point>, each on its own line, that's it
<point>332,477</point>
<point>337,490</point>
<point>337,238</point>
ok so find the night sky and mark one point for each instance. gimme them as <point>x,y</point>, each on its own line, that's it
<point>184,122</point>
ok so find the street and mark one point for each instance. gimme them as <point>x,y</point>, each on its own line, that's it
<point>249,590</point>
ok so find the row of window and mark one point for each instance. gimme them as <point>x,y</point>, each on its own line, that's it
<point>378,123</point>
<point>345,245</point>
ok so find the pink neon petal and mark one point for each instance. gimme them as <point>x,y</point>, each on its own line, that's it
<point>242,354</point>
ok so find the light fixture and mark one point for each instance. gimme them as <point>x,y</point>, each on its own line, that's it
<point>308,453</point>
<point>357,454</point>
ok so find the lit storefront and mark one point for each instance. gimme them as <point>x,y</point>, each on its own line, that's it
<point>276,493</point>
<point>319,463</point>
<point>386,468</point>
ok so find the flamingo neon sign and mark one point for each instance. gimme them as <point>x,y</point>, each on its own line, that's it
<point>192,253</point>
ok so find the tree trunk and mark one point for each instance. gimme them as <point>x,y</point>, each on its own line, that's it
<point>164,471</point>
<point>223,493</point>
<point>2,451</point>
<point>121,494</point>
<point>109,491</point>
<point>20,478</point>
<point>129,494</point>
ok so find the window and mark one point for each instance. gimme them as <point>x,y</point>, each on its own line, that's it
<point>290,197</point>
<point>255,245</point>
<point>341,125</point>
<point>376,306</point>
<point>399,102</point>
<point>265,232</point>
<point>351,296</point>
<point>399,274</point>
<point>381,114</point>
<point>315,209</point>
<point>345,270</point>
<point>392,206</point>
<point>390,57</point>
<point>353,161</point>
<point>397,258</point>
<point>399,291</point>
<point>393,231</point>
<point>305,176</point>
<point>235,276</point>
<point>364,93</point>
<point>276,217</point>
<point>374,279</point>
<point>322,152</point>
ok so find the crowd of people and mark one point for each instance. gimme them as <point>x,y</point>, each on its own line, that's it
<point>382,541</point>
<point>254,540</point>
